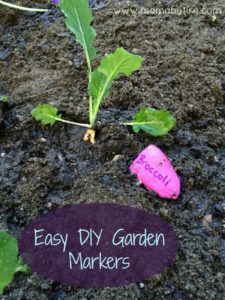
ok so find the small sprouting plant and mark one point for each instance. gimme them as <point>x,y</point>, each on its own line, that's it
<point>114,65</point>
<point>10,262</point>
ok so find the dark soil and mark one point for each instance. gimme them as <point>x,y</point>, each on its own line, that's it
<point>43,168</point>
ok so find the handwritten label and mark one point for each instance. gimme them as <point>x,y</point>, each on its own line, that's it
<point>98,245</point>
<point>156,172</point>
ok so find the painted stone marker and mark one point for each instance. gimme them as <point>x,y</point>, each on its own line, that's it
<point>156,172</point>
<point>98,245</point>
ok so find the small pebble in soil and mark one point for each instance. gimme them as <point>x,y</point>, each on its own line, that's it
<point>49,205</point>
<point>131,25</point>
<point>43,140</point>
<point>163,212</point>
<point>141,284</point>
<point>206,221</point>
<point>136,51</point>
<point>138,183</point>
<point>117,157</point>
<point>60,295</point>
<point>106,180</point>
<point>77,62</point>
<point>55,200</point>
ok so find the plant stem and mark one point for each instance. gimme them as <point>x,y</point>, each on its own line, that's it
<point>90,109</point>
<point>22,7</point>
<point>73,123</point>
<point>139,123</point>
<point>90,98</point>
<point>98,102</point>
<point>89,81</point>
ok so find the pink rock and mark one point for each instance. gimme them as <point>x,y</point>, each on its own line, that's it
<point>156,172</point>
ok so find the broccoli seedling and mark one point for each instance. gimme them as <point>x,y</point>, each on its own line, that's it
<point>114,65</point>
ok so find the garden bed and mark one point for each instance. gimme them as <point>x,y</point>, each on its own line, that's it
<point>42,168</point>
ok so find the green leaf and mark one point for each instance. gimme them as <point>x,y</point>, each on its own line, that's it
<point>152,121</point>
<point>4,98</point>
<point>10,263</point>
<point>120,63</point>
<point>97,84</point>
<point>78,20</point>
<point>46,114</point>
<point>112,67</point>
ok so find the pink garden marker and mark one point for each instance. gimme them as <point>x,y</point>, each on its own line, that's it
<point>156,172</point>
